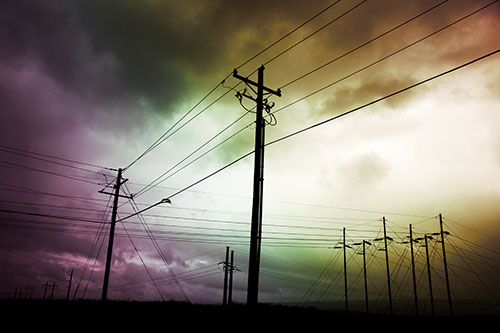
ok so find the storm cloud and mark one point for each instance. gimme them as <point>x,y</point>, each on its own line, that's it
<point>99,81</point>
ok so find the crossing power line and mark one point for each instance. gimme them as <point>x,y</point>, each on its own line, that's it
<point>378,100</point>
<point>170,131</point>
<point>337,81</point>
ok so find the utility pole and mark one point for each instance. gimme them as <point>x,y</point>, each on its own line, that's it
<point>387,266</point>
<point>226,268</point>
<point>45,286</point>
<point>445,264</point>
<point>69,285</point>
<point>364,274</point>
<point>231,270</point>
<point>345,273</point>
<point>258,183</point>
<point>53,287</point>
<point>413,272</point>
<point>116,194</point>
<point>431,296</point>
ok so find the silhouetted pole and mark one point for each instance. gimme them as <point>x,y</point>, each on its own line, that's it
<point>345,275</point>
<point>258,185</point>
<point>46,285</point>
<point>69,285</point>
<point>387,266</point>
<point>231,270</point>
<point>53,286</point>
<point>413,272</point>
<point>364,274</point>
<point>445,265</point>
<point>111,235</point>
<point>226,268</point>
<point>431,296</point>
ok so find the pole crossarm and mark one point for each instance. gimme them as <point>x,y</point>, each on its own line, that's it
<point>255,84</point>
<point>120,195</point>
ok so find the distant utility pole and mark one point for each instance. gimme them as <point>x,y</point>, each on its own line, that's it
<point>69,285</point>
<point>387,267</point>
<point>364,274</point>
<point>226,268</point>
<point>445,263</point>
<point>45,286</point>
<point>258,183</point>
<point>431,295</point>
<point>53,287</point>
<point>231,270</point>
<point>116,194</point>
<point>345,272</point>
<point>413,272</point>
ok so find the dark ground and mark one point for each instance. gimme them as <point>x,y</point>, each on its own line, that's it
<point>81,315</point>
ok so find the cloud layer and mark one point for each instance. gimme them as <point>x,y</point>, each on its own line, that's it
<point>99,81</point>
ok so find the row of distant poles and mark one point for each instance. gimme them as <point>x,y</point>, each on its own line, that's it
<point>410,241</point>
<point>48,290</point>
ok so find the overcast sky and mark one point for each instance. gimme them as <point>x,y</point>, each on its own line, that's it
<point>100,81</point>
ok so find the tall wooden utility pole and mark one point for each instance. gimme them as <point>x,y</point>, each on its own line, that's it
<point>226,271</point>
<point>445,264</point>
<point>45,286</point>
<point>413,272</point>
<point>387,267</point>
<point>231,271</point>
<point>258,184</point>
<point>69,285</point>
<point>345,272</point>
<point>116,194</point>
<point>53,287</point>
<point>364,274</point>
<point>431,295</point>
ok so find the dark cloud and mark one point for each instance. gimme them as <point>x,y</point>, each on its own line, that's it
<point>367,89</point>
<point>99,66</point>
<point>47,35</point>
<point>362,172</point>
<point>128,49</point>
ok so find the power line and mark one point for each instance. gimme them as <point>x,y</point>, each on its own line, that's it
<point>322,123</point>
<point>295,204</point>
<point>157,247</point>
<point>157,180</point>
<point>167,229</point>
<point>373,63</point>
<point>166,135</point>
<point>467,227</point>
<point>363,45</point>
<point>289,33</point>
<point>22,189</point>
<point>385,97</point>
<point>316,31</point>
<point>28,153</point>
<point>384,58</point>
<point>69,218</point>
<point>48,172</point>
<point>143,263</point>
<point>102,230</point>
<point>315,219</point>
